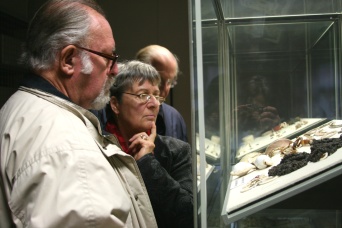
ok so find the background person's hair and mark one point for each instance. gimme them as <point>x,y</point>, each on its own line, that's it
<point>131,72</point>
<point>56,24</point>
<point>257,87</point>
<point>153,53</point>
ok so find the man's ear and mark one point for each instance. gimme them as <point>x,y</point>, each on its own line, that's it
<point>67,60</point>
<point>114,104</point>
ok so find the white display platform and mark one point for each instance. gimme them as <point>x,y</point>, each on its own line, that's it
<point>259,143</point>
<point>212,147</point>
<point>240,204</point>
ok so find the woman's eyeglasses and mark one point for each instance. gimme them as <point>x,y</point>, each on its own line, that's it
<point>144,98</point>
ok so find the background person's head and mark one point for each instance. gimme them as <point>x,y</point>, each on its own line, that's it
<point>258,90</point>
<point>166,64</point>
<point>54,49</point>
<point>134,102</point>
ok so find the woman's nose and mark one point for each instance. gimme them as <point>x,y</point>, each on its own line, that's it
<point>154,100</point>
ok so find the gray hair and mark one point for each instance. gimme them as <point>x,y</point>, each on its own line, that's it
<point>56,24</point>
<point>131,72</point>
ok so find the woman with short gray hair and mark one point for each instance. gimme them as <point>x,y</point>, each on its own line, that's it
<point>164,161</point>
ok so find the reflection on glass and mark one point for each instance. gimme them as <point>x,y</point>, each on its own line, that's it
<point>257,8</point>
<point>256,112</point>
<point>279,69</point>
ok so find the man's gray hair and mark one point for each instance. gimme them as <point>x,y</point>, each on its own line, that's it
<point>56,24</point>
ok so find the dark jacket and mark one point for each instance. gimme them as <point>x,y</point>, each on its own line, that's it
<point>168,178</point>
<point>171,123</point>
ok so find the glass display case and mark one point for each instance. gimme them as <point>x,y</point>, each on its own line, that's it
<point>266,87</point>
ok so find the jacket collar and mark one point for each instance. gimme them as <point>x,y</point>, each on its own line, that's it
<point>37,82</point>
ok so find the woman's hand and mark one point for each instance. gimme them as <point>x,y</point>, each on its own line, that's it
<point>142,144</point>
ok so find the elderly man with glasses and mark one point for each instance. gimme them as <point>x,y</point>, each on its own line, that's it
<point>57,169</point>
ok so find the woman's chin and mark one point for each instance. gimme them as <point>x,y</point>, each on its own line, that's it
<point>148,125</point>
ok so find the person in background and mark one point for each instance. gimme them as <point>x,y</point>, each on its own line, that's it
<point>164,161</point>
<point>169,121</point>
<point>57,170</point>
<point>257,114</point>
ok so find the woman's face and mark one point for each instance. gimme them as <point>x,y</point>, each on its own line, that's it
<point>133,114</point>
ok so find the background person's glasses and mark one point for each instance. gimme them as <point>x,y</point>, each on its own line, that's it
<point>171,83</point>
<point>113,57</point>
<point>146,98</point>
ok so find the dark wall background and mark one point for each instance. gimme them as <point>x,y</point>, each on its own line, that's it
<point>135,24</point>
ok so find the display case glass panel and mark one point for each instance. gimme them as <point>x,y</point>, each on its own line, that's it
<point>264,71</point>
<point>257,8</point>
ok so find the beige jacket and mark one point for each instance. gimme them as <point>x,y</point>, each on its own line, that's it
<point>56,168</point>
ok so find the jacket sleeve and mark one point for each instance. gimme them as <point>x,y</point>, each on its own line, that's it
<point>168,178</point>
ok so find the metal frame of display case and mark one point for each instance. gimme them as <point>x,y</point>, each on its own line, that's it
<point>228,100</point>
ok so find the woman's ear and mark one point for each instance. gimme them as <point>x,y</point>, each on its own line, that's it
<point>114,104</point>
<point>67,60</point>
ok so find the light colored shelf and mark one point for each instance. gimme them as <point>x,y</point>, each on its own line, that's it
<point>240,204</point>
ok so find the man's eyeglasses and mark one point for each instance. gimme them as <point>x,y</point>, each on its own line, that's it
<point>171,83</point>
<point>144,98</point>
<point>113,57</point>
